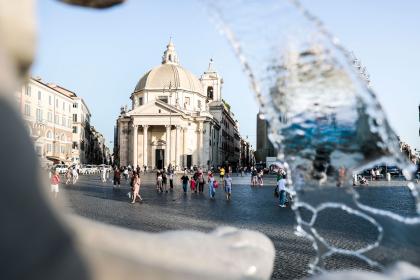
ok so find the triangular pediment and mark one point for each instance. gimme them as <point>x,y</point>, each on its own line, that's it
<point>155,107</point>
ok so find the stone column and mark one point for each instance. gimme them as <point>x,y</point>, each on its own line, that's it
<point>135,153</point>
<point>200,145</point>
<point>168,146</point>
<point>184,144</point>
<point>177,146</point>
<point>145,146</point>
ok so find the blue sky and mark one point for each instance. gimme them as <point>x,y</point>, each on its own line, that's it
<point>102,55</point>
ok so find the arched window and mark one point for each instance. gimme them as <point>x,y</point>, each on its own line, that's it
<point>49,134</point>
<point>210,92</point>
<point>170,57</point>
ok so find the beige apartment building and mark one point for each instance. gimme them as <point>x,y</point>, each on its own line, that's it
<point>80,127</point>
<point>58,122</point>
<point>48,114</point>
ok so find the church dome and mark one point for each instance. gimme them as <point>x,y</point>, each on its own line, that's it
<point>169,74</point>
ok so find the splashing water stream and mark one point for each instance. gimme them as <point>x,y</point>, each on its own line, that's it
<point>323,115</point>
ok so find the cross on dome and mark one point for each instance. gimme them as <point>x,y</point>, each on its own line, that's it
<point>170,56</point>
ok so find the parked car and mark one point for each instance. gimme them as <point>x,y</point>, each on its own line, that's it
<point>61,168</point>
<point>84,169</point>
<point>107,167</point>
<point>88,169</point>
<point>393,170</point>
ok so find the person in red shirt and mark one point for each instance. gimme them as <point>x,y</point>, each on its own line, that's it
<point>55,180</point>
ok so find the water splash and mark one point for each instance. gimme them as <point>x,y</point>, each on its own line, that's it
<point>324,117</point>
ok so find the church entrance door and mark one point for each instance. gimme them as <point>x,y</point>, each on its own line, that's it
<point>160,158</point>
<point>189,161</point>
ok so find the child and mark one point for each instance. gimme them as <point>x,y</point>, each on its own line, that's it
<point>192,185</point>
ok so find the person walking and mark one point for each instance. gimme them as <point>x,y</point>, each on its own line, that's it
<point>159,179</point>
<point>75,175</point>
<point>222,173</point>
<point>117,177</point>
<point>184,180</point>
<point>254,176</point>
<point>281,187</point>
<point>55,180</point>
<point>164,180</point>
<point>193,185</point>
<point>68,176</point>
<point>211,181</point>
<point>260,178</point>
<point>228,186</point>
<point>136,188</point>
<point>125,173</point>
<point>171,180</point>
<point>201,182</point>
<point>103,174</point>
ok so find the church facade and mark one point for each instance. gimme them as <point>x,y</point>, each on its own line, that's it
<point>173,119</point>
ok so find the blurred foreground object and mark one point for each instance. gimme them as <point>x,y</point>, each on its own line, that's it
<point>38,242</point>
<point>94,3</point>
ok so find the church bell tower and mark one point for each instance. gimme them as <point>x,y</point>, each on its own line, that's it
<point>212,83</point>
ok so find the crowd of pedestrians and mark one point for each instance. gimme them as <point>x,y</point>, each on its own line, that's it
<point>194,183</point>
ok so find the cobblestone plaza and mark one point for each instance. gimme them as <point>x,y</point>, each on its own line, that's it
<point>251,208</point>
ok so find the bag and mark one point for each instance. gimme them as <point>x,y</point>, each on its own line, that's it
<point>215,184</point>
<point>276,192</point>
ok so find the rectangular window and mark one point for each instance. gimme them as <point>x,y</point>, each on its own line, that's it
<point>69,123</point>
<point>69,108</point>
<point>74,117</point>
<point>63,121</point>
<point>74,129</point>
<point>74,105</point>
<point>56,119</point>
<point>140,101</point>
<point>49,116</point>
<point>187,101</point>
<point>38,115</point>
<point>199,104</point>
<point>49,148</point>
<point>64,106</point>
<point>28,90</point>
<point>56,103</point>
<point>39,96</point>
<point>27,110</point>
<point>62,149</point>
<point>49,100</point>
<point>75,146</point>
<point>163,98</point>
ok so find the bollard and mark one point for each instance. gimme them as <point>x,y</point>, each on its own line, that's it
<point>388,177</point>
